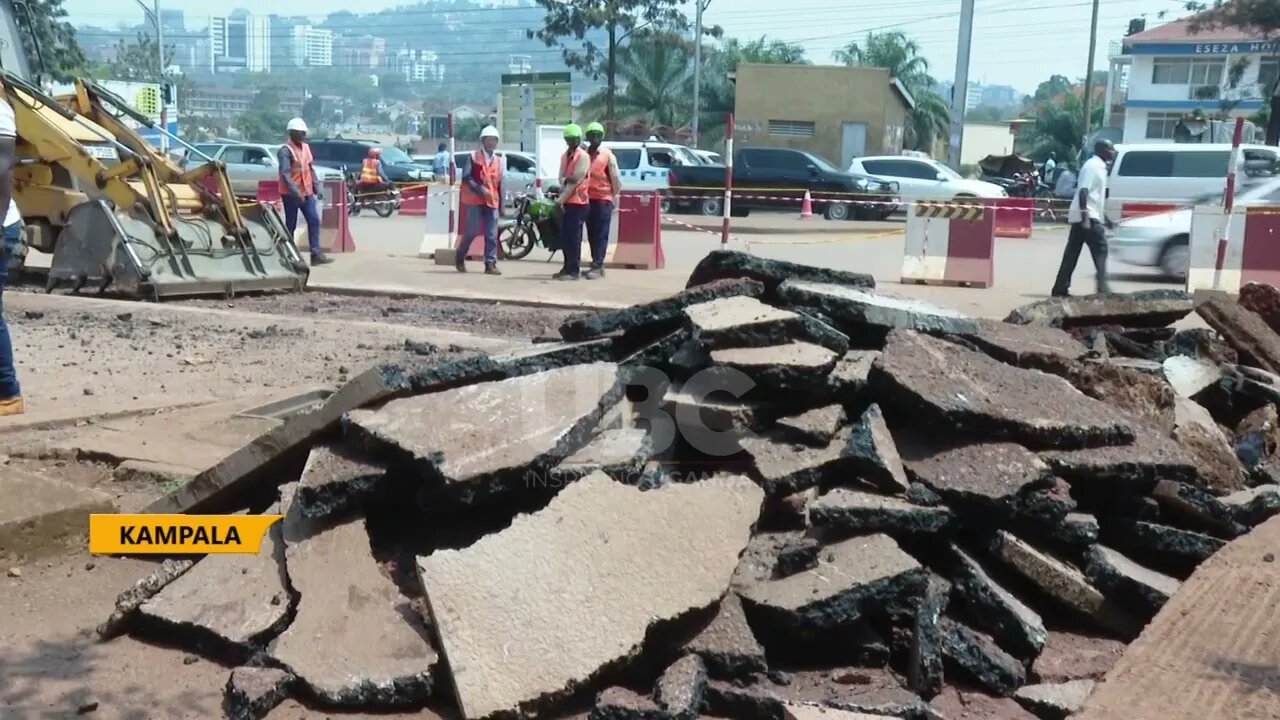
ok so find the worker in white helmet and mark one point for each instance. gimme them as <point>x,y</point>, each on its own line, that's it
<point>300,187</point>
<point>481,201</point>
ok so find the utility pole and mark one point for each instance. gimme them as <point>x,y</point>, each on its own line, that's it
<point>960,91</point>
<point>697,66</point>
<point>1088,77</point>
<point>164,106</point>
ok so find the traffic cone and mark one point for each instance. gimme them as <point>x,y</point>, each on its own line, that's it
<point>806,208</point>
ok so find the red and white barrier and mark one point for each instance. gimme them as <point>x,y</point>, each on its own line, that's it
<point>437,236</point>
<point>639,233</point>
<point>950,244</point>
<point>1230,249</point>
<point>413,201</point>
<point>1014,217</point>
<point>335,229</point>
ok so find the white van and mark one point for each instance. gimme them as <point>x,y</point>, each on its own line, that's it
<point>1175,173</point>
<point>644,165</point>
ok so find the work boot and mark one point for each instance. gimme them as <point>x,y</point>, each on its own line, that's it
<point>12,406</point>
<point>593,273</point>
<point>565,275</point>
<point>461,265</point>
<point>491,269</point>
<point>320,259</point>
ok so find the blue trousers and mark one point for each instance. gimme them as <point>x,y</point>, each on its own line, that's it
<point>599,218</point>
<point>474,217</point>
<point>571,237</point>
<point>310,212</point>
<point>8,376</point>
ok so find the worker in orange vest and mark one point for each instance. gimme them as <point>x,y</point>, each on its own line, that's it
<point>603,185</point>
<point>300,187</point>
<point>481,200</point>
<point>575,166</point>
<point>372,178</point>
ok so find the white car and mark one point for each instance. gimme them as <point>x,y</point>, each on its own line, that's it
<point>924,178</point>
<point>710,157</point>
<point>1163,240</point>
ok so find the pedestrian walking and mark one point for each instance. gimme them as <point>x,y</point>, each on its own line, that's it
<point>481,199</point>
<point>440,163</point>
<point>10,392</point>
<point>575,166</point>
<point>603,185</point>
<point>300,187</point>
<point>1086,216</point>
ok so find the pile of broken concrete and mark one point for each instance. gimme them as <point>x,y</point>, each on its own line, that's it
<point>778,493</point>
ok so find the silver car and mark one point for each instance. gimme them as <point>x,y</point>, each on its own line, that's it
<point>1163,239</point>
<point>248,164</point>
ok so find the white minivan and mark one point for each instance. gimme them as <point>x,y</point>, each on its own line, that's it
<point>1156,174</point>
<point>645,165</point>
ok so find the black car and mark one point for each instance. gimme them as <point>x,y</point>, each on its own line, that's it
<point>347,155</point>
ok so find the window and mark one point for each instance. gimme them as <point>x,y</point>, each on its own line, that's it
<point>1165,163</point>
<point>1187,71</point>
<point>660,158</point>
<point>1160,125</point>
<point>774,159</point>
<point>917,170</point>
<point>1200,164</point>
<point>1268,72</point>
<point>628,159</point>
<point>1261,163</point>
<point>877,167</point>
<point>517,163</point>
<point>791,128</point>
<point>209,150</point>
<point>255,156</point>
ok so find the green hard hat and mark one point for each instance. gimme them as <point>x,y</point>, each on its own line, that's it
<point>595,127</point>
<point>572,130</point>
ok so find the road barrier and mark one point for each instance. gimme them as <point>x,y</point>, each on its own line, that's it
<point>1229,249</point>
<point>950,244</point>
<point>639,233</point>
<point>1014,217</point>
<point>413,201</point>
<point>335,228</point>
<point>441,212</point>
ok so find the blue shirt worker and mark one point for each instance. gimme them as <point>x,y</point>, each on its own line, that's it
<point>440,163</point>
<point>300,187</point>
<point>480,200</point>
<point>575,166</point>
<point>603,185</point>
<point>10,393</point>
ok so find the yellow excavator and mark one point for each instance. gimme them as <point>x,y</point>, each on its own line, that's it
<point>117,214</point>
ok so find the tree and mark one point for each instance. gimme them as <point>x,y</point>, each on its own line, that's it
<point>138,61</point>
<point>313,111</point>
<point>1058,128</point>
<point>466,129</point>
<point>1262,19</point>
<point>568,25</point>
<point>930,119</point>
<point>658,87</point>
<point>718,93</point>
<point>1053,87</point>
<point>264,123</point>
<point>55,51</point>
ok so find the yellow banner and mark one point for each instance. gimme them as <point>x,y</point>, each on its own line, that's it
<point>177,534</point>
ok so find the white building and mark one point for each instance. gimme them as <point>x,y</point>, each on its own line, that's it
<point>1173,73</point>
<point>312,46</point>
<point>420,65</point>
<point>241,42</point>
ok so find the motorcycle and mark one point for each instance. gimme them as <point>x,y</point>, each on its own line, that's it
<point>534,224</point>
<point>384,202</point>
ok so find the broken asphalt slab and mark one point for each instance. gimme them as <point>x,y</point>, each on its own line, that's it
<point>967,389</point>
<point>41,514</point>
<point>1253,506</point>
<point>874,452</point>
<point>722,264</point>
<point>666,311</point>
<point>1138,464</point>
<point>791,367</point>
<point>843,512</point>
<point>679,690</point>
<point>1184,548</point>
<point>1128,582</point>
<point>848,378</point>
<point>924,665</point>
<point>532,612</point>
<point>1189,376</point>
<point>858,312</point>
<point>620,453</point>
<point>816,427</point>
<point>1055,701</point>
<point>335,480</point>
<point>1255,341</point>
<point>783,467</point>
<point>859,690</point>
<point>727,644</point>
<point>962,474</point>
<point>995,609</point>
<point>1143,309</point>
<point>128,602</point>
<point>981,659</point>
<point>1027,346</point>
<point>746,322</point>
<point>252,692</point>
<point>619,703</point>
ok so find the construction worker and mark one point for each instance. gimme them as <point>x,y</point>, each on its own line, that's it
<point>10,392</point>
<point>575,166</point>
<point>372,178</point>
<point>300,187</point>
<point>481,200</point>
<point>603,185</point>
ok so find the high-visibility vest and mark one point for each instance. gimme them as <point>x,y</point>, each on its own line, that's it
<point>369,171</point>
<point>599,182</point>
<point>490,178</point>
<point>299,169</point>
<point>567,163</point>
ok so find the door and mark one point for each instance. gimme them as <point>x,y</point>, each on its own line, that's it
<point>248,165</point>
<point>853,142</point>
<point>653,174</point>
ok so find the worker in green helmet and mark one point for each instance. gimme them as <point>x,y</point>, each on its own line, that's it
<point>573,202</point>
<point>603,185</point>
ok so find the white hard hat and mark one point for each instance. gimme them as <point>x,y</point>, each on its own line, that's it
<point>297,124</point>
<point>489,131</point>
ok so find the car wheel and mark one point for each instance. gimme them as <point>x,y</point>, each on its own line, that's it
<point>1175,258</point>
<point>836,211</point>
<point>711,206</point>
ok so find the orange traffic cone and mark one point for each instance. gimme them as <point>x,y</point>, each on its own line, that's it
<point>806,208</point>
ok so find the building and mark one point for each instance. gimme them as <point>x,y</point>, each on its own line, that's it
<point>240,42</point>
<point>312,46</point>
<point>1000,96</point>
<point>360,52</point>
<point>229,103</point>
<point>419,66</point>
<point>173,21</point>
<point>982,139</point>
<point>1173,73</point>
<point>837,113</point>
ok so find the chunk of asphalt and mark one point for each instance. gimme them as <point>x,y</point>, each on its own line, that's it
<point>1151,455</point>
<point>924,668</point>
<point>1257,344</point>
<point>666,311</point>
<point>1190,376</point>
<point>1254,506</point>
<point>843,512</point>
<point>852,690</point>
<point>530,613</point>
<point>1027,346</point>
<point>962,473</point>
<point>792,511</point>
<point>618,703</point>
<point>482,440</point>
<point>250,606</point>
<point>1143,309</point>
<point>1055,701</point>
<point>1076,529</point>
<point>921,494</point>
<point>859,312</point>
<point>677,352</point>
<point>967,389</point>
<point>817,712</point>
<point>551,356</point>
<point>619,453</point>
<point>874,452</point>
<point>791,367</point>
<point>1186,547</point>
<point>849,377</point>
<point>1128,582</point>
<point>980,658</point>
<point>716,415</point>
<point>1264,300</point>
<point>995,609</point>
<point>852,576</point>
<point>252,692</point>
<point>1257,437</point>
<point>1197,505</point>
<point>747,322</point>
<point>680,688</point>
<point>722,264</point>
<point>727,645</point>
<point>1062,582</point>
<point>797,556</point>
<point>336,480</point>
<point>783,467</point>
<point>759,562</point>
<point>1199,435</point>
<point>816,427</point>
<point>1045,506</point>
<point>344,601</point>
<point>128,602</point>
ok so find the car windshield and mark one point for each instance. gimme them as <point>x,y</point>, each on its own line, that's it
<point>822,164</point>
<point>951,174</point>
<point>395,156</point>
<point>685,156</point>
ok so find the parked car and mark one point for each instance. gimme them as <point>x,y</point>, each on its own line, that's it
<point>709,157</point>
<point>248,164</point>
<point>346,155</point>
<point>1163,240</point>
<point>519,171</point>
<point>1174,173</point>
<point>777,178</point>
<point>924,178</point>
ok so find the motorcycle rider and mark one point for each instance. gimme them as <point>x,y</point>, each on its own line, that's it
<point>373,179</point>
<point>481,200</point>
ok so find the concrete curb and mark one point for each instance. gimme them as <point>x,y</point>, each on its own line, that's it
<point>407,293</point>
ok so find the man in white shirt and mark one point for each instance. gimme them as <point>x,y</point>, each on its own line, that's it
<point>10,393</point>
<point>1086,218</point>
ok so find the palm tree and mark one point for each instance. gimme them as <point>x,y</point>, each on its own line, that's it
<point>928,121</point>
<point>900,55</point>
<point>655,70</point>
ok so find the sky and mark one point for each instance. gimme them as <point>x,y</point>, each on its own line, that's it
<point>1015,42</point>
